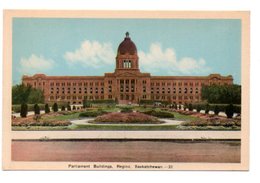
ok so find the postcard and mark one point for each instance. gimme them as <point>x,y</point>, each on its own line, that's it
<point>126,90</point>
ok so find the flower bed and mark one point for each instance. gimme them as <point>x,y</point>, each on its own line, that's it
<point>134,117</point>
<point>214,122</point>
<point>32,122</point>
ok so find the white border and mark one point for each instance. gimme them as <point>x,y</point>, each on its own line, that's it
<point>201,177</point>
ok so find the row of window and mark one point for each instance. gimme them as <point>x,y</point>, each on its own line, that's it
<point>174,90</point>
<point>57,97</point>
<point>176,84</point>
<point>157,97</point>
<point>77,84</point>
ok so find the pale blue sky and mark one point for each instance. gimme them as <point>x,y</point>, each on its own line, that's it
<point>88,46</point>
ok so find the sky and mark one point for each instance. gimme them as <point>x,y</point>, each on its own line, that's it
<point>87,47</point>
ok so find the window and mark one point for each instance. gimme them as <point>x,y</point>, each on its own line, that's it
<point>144,89</point>
<point>127,64</point>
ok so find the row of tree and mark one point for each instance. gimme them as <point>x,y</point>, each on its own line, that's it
<point>55,108</point>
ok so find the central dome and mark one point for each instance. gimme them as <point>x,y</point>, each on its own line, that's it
<point>127,46</point>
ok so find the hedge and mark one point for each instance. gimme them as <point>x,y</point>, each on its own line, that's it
<point>159,114</point>
<point>126,110</point>
<point>92,113</point>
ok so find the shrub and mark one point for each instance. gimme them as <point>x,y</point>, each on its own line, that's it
<point>24,110</point>
<point>190,107</point>
<point>126,110</point>
<point>36,109</point>
<point>74,108</point>
<point>47,108</point>
<point>185,106</point>
<point>216,109</point>
<point>68,108</point>
<point>55,107</point>
<point>198,108</point>
<point>63,108</point>
<point>207,109</point>
<point>230,111</point>
<point>91,113</point>
<point>159,114</point>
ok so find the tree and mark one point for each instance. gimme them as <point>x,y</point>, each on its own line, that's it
<point>36,96</point>
<point>230,111</point>
<point>74,108</point>
<point>185,106</point>
<point>222,94</point>
<point>207,109</point>
<point>36,109</point>
<point>26,94</point>
<point>47,108</point>
<point>190,107</point>
<point>24,110</point>
<point>198,108</point>
<point>55,107</point>
<point>63,108</point>
<point>216,110</point>
<point>68,107</point>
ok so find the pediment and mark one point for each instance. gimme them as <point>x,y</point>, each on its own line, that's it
<point>127,74</point>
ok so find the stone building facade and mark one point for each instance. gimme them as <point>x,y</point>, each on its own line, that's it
<point>125,85</point>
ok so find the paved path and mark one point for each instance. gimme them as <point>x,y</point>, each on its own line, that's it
<point>86,122</point>
<point>25,135</point>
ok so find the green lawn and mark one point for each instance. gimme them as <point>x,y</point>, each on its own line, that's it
<point>62,117</point>
<point>183,117</point>
<point>122,127</point>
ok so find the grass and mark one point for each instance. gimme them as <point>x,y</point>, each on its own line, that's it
<point>183,117</point>
<point>62,117</point>
<point>123,127</point>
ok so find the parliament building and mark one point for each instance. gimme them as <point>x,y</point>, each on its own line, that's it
<point>126,85</point>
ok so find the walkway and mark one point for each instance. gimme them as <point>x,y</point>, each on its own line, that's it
<point>26,135</point>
